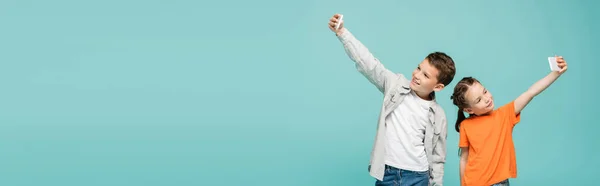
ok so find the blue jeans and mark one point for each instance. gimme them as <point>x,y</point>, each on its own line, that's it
<point>399,177</point>
<point>502,183</point>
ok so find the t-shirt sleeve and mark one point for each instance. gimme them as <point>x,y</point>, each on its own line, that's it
<point>463,141</point>
<point>508,111</point>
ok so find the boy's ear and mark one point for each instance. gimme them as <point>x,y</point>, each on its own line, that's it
<point>469,110</point>
<point>438,87</point>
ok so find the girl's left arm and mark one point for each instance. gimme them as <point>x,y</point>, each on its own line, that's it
<point>540,86</point>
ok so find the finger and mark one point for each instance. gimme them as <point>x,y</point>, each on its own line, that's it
<point>561,65</point>
<point>332,24</point>
<point>563,70</point>
<point>333,19</point>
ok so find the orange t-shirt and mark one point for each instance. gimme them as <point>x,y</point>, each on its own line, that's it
<point>491,150</point>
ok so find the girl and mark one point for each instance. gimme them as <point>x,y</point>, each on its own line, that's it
<point>487,154</point>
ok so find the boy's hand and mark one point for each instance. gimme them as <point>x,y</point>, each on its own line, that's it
<point>562,64</point>
<point>333,21</point>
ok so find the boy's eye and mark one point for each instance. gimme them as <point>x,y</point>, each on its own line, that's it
<point>426,75</point>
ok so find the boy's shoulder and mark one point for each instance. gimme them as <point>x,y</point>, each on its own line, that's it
<point>438,110</point>
<point>399,80</point>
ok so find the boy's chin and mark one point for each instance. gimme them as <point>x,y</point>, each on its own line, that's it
<point>418,89</point>
<point>414,87</point>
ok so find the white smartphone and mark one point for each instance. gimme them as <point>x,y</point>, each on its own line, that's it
<point>553,64</point>
<point>337,25</point>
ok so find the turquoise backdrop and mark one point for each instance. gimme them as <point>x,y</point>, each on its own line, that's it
<point>182,92</point>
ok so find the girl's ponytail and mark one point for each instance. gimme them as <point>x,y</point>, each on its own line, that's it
<point>459,119</point>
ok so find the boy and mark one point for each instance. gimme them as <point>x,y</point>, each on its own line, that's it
<point>410,144</point>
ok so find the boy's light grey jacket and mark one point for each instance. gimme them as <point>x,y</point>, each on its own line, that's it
<point>395,87</point>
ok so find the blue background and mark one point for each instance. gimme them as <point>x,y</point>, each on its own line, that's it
<point>262,93</point>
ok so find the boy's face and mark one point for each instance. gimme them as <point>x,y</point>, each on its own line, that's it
<point>424,78</point>
<point>480,100</point>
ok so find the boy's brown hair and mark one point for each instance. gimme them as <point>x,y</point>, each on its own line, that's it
<point>444,64</point>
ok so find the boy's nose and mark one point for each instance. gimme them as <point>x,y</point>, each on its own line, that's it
<point>418,75</point>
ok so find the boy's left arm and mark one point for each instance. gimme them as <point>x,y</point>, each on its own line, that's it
<point>439,155</point>
<point>539,86</point>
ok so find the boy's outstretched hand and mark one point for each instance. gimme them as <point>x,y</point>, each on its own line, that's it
<point>333,21</point>
<point>562,64</point>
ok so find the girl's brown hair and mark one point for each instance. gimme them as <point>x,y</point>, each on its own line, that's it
<point>458,98</point>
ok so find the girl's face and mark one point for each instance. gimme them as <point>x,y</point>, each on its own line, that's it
<point>480,100</point>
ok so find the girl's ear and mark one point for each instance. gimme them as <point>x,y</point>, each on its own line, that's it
<point>469,110</point>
